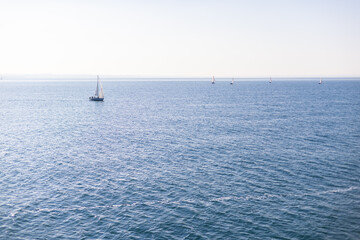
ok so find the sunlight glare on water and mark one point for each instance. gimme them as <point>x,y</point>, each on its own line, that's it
<point>180,160</point>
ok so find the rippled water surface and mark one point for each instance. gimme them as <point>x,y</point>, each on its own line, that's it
<point>180,160</point>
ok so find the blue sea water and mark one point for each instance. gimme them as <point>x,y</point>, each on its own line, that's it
<point>180,160</point>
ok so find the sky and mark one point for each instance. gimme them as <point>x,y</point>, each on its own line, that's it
<point>181,38</point>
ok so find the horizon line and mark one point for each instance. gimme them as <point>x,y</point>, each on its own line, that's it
<point>115,76</point>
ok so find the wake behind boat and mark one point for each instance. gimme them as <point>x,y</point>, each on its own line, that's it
<point>99,93</point>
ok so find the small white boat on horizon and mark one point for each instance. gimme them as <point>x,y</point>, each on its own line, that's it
<point>232,81</point>
<point>99,93</point>
<point>320,82</point>
<point>213,80</point>
<point>270,81</point>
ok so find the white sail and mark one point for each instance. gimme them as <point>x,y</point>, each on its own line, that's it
<point>270,81</point>
<point>97,87</point>
<point>232,81</point>
<point>101,94</point>
<point>213,80</point>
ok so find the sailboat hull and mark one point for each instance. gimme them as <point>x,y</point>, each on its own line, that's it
<point>96,99</point>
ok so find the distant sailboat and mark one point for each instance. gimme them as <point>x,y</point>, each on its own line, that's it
<point>232,81</point>
<point>320,81</point>
<point>270,81</point>
<point>213,80</point>
<point>99,94</point>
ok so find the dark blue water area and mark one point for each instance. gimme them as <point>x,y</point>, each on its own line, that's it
<point>180,160</point>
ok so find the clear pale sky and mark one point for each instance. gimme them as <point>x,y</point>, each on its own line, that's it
<point>180,38</point>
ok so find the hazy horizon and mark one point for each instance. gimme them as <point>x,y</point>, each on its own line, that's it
<point>88,77</point>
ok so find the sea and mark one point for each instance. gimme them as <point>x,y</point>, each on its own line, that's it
<point>180,160</point>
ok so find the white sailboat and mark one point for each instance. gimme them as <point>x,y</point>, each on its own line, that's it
<point>213,80</point>
<point>320,81</point>
<point>270,81</point>
<point>99,93</point>
<point>232,81</point>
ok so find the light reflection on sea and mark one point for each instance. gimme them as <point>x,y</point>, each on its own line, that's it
<point>180,160</point>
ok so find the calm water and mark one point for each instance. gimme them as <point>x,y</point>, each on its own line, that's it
<point>172,160</point>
